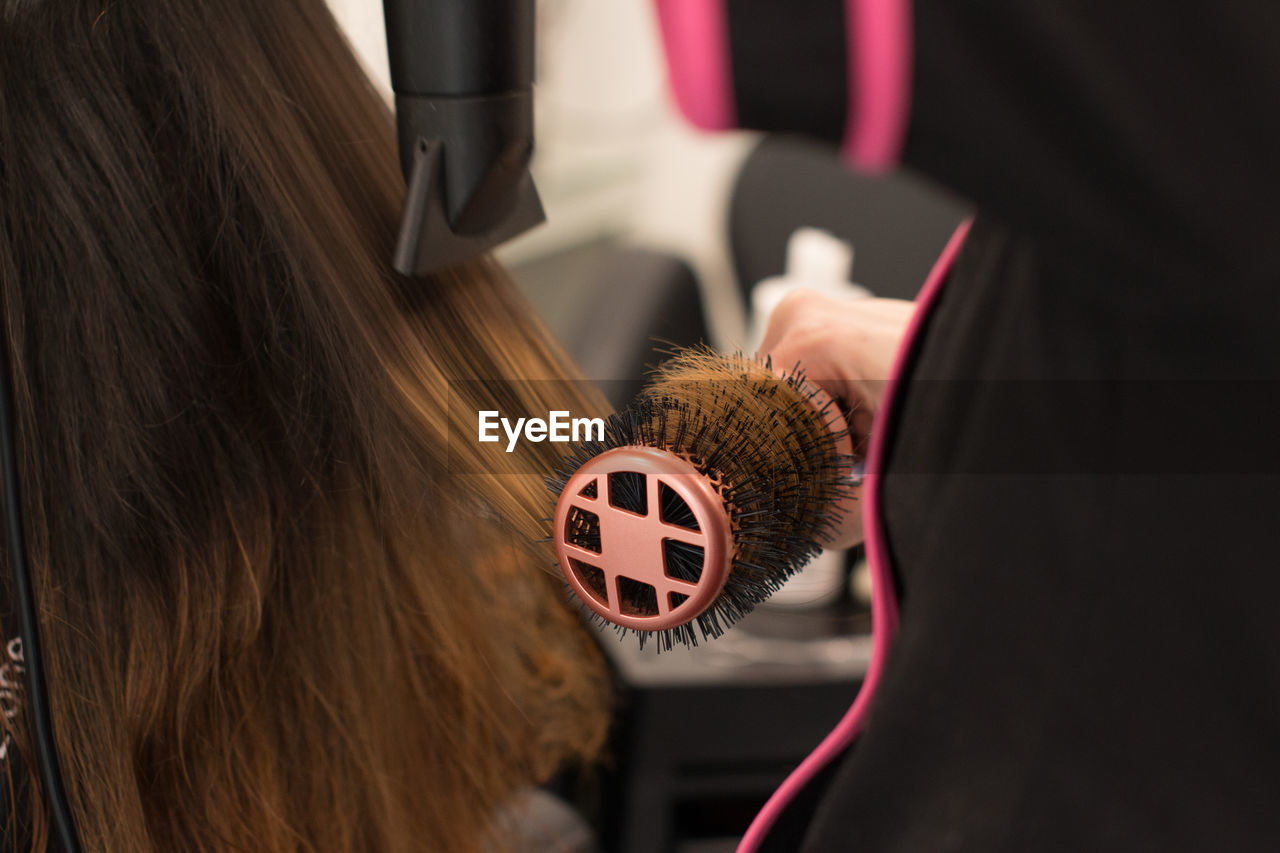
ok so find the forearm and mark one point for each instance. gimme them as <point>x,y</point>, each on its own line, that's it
<point>1111,126</point>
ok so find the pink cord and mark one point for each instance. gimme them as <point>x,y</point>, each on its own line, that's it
<point>884,603</point>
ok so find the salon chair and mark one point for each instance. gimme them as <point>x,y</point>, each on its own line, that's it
<point>616,306</point>
<point>897,225</point>
<point>537,821</point>
<point>705,735</point>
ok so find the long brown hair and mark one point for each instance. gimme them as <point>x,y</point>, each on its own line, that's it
<point>273,619</point>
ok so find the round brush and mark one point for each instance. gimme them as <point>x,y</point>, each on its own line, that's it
<point>705,495</point>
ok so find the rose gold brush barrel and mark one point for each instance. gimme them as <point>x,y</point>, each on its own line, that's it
<point>609,548</point>
<point>632,545</point>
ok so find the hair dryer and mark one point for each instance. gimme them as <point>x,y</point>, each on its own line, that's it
<point>462,72</point>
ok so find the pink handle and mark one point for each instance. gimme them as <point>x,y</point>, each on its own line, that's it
<point>879,39</point>
<point>695,36</point>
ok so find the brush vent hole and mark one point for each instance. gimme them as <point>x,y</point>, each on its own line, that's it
<point>672,509</point>
<point>627,492</point>
<point>676,599</point>
<point>590,490</point>
<point>682,560</point>
<point>593,579</point>
<point>582,528</point>
<point>637,598</point>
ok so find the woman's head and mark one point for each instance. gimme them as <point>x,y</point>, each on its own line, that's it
<point>273,618</point>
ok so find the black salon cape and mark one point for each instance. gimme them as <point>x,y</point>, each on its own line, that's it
<point>1082,496</point>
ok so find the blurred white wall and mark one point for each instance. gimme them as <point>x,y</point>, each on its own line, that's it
<point>362,19</point>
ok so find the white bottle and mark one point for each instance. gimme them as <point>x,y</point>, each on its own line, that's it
<point>817,261</point>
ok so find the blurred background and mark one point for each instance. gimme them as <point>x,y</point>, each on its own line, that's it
<point>659,235</point>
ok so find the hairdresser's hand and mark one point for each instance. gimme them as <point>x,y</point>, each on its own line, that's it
<point>846,347</point>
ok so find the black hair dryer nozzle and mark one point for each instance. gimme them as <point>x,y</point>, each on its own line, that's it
<point>462,71</point>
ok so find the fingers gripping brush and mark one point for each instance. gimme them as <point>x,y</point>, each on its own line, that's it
<point>705,495</point>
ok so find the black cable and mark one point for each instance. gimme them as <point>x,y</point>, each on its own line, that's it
<point>42,741</point>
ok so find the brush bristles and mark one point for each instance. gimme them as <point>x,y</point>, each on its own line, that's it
<point>761,439</point>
